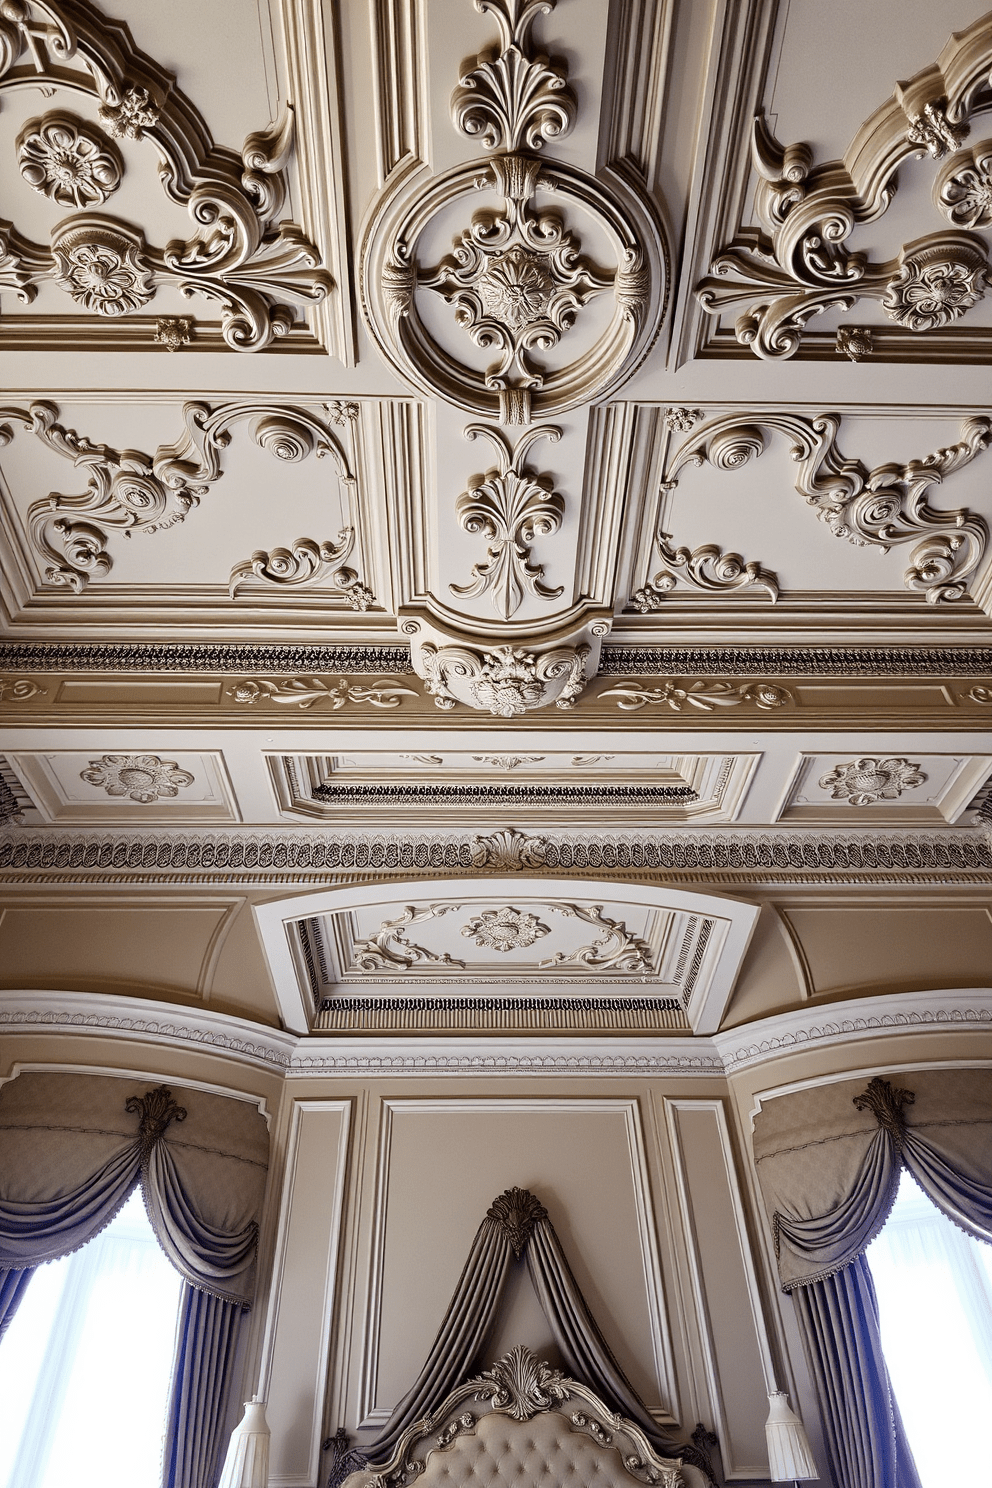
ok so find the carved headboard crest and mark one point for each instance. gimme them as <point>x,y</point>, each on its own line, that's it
<point>516,1212</point>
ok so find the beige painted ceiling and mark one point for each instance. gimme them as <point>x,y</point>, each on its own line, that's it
<point>424,421</point>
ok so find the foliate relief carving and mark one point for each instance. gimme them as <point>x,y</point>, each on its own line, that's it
<point>131,117</point>
<point>520,1385</point>
<point>174,331</point>
<point>243,255</point>
<point>304,692</point>
<point>932,130</point>
<point>103,268</point>
<point>854,342</point>
<point>128,491</point>
<point>707,568</point>
<point>865,782</point>
<point>869,508</point>
<point>307,562</point>
<point>156,1110</point>
<point>507,761</point>
<point>65,159</point>
<point>515,1212</point>
<point>796,264</point>
<point>20,689</point>
<point>616,950</point>
<point>388,949</point>
<point>963,189</point>
<point>505,681</point>
<point>139,777</point>
<point>509,851</point>
<point>516,281</point>
<point>510,507</point>
<point>516,277</point>
<point>702,694</point>
<point>516,99</point>
<point>506,929</point>
<point>681,420</point>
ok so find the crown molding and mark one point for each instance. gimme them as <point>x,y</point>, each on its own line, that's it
<point>70,1014</point>
<point>754,1044</point>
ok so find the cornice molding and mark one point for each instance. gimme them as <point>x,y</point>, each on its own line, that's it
<point>717,1056</point>
<point>618,660</point>
<point>843,1022</point>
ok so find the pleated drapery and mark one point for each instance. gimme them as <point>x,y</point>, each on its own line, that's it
<point>516,1223</point>
<point>73,1148</point>
<point>829,1162</point>
<point>208,1335</point>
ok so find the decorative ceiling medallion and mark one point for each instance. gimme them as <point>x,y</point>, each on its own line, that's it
<point>505,929</point>
<point>102,265</point>
<point>139,777</point>
<point>869,508</point>
<point>865,782</point>
<point>796,263</point>
<point>67,160</point>
<point>516,277</point>
<point>509,506</point>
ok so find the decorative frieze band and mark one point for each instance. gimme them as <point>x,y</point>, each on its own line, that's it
<point>796,855</point>
<point>616,659</point>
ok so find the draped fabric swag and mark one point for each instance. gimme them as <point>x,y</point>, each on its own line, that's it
<point>73,1148</point>
<point>828,1163</point>
<point>515,1224</point>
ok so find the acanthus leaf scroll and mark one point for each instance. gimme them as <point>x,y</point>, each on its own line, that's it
<point>509,507</point>
<point>128,491</point>
<point>877,507</point>
<point>258,268</point>
<point>797,263</point>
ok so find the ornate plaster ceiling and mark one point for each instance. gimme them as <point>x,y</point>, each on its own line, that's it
<point>534,422</point>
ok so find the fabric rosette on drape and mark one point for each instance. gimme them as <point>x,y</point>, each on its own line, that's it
<point>72,1149</point>
<point>516,1224</point>
<point>829,1161</point>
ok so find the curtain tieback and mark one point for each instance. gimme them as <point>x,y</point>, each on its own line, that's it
<point>157,1110</point>
<point>885,1103</point>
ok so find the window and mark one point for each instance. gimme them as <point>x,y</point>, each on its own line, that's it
<point>934,1286</point>
<point>86,1364</point>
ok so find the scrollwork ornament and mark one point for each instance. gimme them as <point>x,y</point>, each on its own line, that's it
<point>62,158</point>
<point>707,568</point>
<point>304,692</point>
<point>615,950</point>
<point>102,267</point>
<point>701,694</point>
<point>307,562</point>
<point>868,508</point>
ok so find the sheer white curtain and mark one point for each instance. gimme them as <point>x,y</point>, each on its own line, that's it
<point>934,1286</point>
<point>86,1364</point>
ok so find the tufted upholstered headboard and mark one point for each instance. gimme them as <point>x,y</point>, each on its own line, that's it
<point>523,1424</point>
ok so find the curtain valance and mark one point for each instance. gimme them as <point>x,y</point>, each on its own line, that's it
<point>829,1160</point>
<point>72,1147</point>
